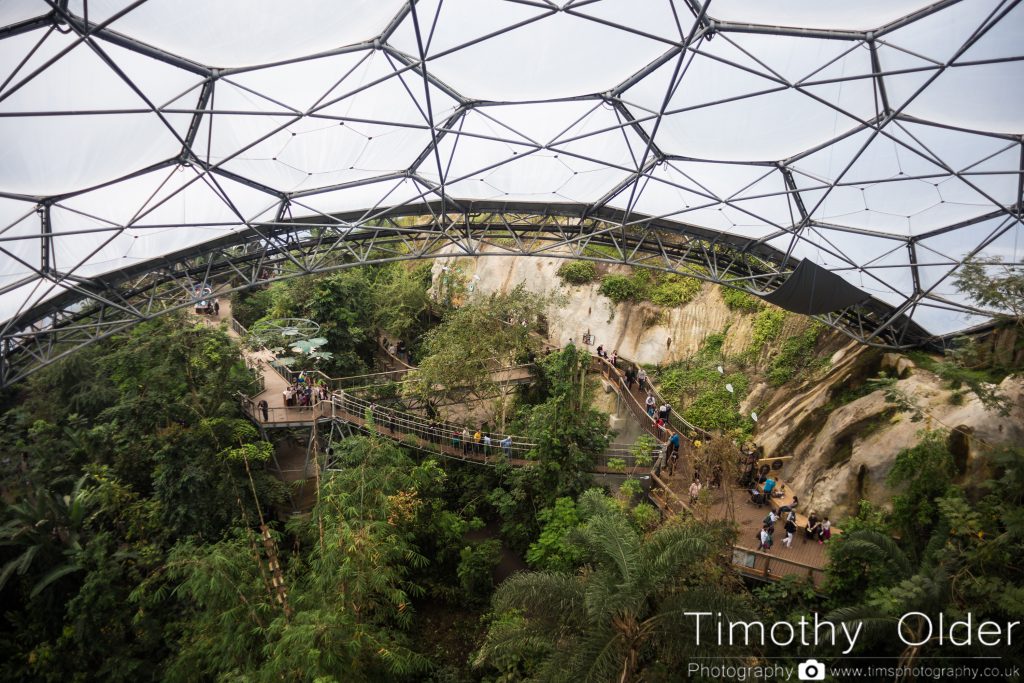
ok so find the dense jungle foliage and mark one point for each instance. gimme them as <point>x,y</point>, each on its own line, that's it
<point>144,536</point>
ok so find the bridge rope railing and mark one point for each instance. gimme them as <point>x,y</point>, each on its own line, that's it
<point>444,436</point>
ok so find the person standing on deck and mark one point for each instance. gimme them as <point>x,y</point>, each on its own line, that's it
<point>264,409</point>
<point>813,527</point>
<point>790,530</point>
<point>694,490</point>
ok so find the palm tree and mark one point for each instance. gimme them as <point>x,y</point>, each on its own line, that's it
<point>892,588</point>
<point>624,612</point>
<point>48,527</point>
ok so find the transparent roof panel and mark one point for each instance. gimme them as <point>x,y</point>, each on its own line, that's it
<point>879,139</point>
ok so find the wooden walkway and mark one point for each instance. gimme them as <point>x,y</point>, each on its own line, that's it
<point>806,559</point>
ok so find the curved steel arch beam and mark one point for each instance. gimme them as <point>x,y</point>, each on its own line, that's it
<point>92,309</point>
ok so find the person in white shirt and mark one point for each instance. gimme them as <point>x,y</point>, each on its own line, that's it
<point>694,491</point>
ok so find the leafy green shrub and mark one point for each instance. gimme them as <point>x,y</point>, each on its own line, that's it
<point>553,550</point>
<point>742,302</point>
<point>715,408</point>
<point>696,384</point>
<point>616,465</point>
<point>646,517</point>
<point>767,326</point>
<point>674,290</point>
<point>621,288</point>
<point>251,305</point>
<point>661,289</point>
<point>629,489</point>
<point>577,272</point>
<point>476,568</point>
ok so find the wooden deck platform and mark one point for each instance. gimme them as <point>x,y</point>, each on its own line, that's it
<point>804,558</point>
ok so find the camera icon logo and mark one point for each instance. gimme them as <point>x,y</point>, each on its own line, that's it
<point>811,670</point>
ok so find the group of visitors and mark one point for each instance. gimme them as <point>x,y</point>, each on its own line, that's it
<point>762,491</point>
<point>815,529</point>
<point>396,349</point>
<point>663,411</point>
<point>634,374</point>
<point>479,442</point>
<point>766,537</point>
<point>304,394</point>
<point>613,358</point>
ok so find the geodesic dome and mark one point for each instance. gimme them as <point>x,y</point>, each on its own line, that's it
<point>148,143</point>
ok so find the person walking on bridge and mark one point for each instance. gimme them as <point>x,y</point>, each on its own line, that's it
<point>649,402</point>
<point>506,445</point>
<point>264,409</point>
<point>641,379</point>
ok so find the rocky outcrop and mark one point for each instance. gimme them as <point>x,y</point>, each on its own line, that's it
<point>841,452</point>
<point>849,457</point>
<point>641,332</point>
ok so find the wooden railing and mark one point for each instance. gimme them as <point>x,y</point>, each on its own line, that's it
<point>747,561</point>
<point>761,565</point>
<point>675,421</point>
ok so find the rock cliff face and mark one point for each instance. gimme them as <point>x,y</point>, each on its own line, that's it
<point>841,452</point>
<point>641,332</point>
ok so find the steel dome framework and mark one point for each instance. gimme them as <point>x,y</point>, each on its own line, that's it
<point>151,146</point>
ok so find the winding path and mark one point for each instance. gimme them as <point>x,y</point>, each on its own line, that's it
<point>345,406</point>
